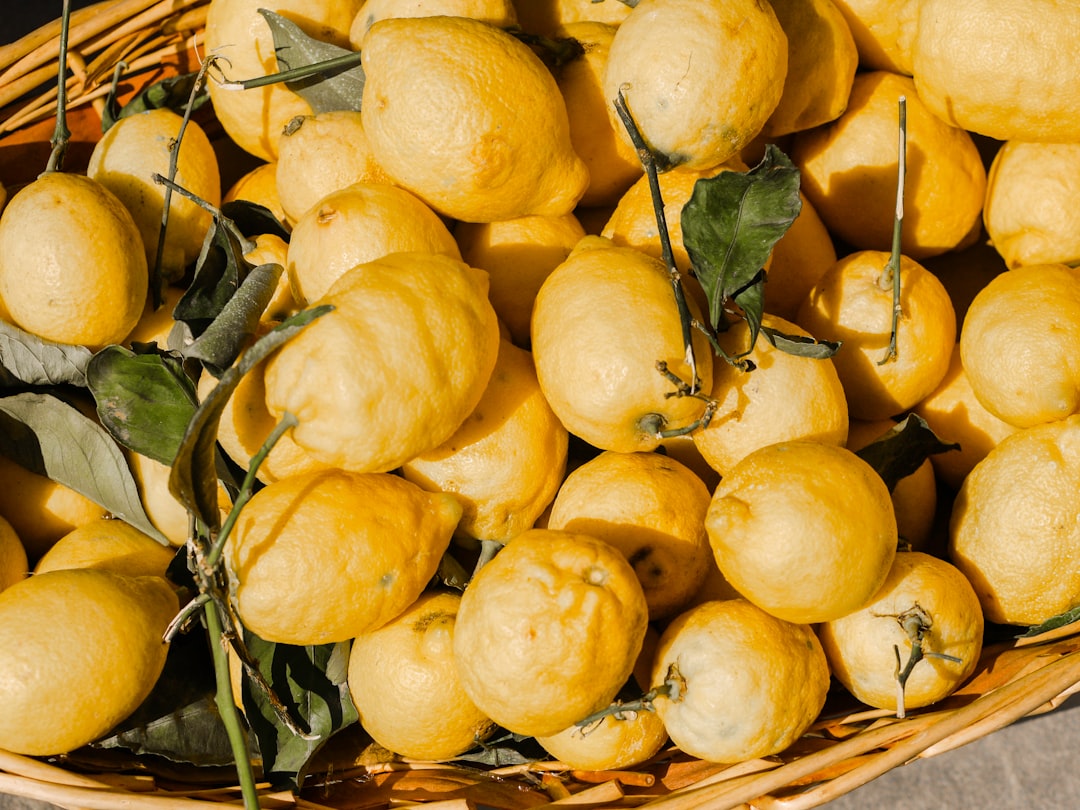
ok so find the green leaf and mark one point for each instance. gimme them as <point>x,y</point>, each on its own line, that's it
<point>30,360</point>
<point>505,749</point>
<point>800,345</point>
<point>730,224</point>
<point>329,89</point>
<point>1068,617</point>
<point>52,438</point>
<point>145,400</point>
<point>903,448</point>
<point>253,219</point>
<point>193,480</point>
<point>219,271</point>
<point>311,683</point>
<point>171,93</point>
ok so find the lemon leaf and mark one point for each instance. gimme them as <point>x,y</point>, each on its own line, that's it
<point>171,93</point>
<point>329,85</point>
<point>903,448</point>
<point>800,345</point>
<point>730,224</point>
<point>253,219</point>
<point>311,683</point>
<point>1061,620</point>
<point>30,360</point>
<point>52,438</point>
<point>219,271</point>
<point>145,400</point>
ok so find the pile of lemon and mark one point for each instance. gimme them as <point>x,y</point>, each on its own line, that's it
<point>486,383</point>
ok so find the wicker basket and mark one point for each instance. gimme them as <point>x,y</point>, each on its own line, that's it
<point>848,746</point>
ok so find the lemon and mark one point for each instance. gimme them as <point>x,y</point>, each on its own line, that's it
<point>80,649</point>
<point>652,509</point>
<point>798,261</point>
<point>13,563</point>
<point>548,16</point>
<point>500,13</point>
<point>323,557</point>
<point>124,161</point>
<point>598,373</point>
<point>506,461</point>
<point>610,743</point>
<point>258,185</point>
<point>484,136</point>
<point>72,264</point>
<point>884,32</point>
<point>806,507</point>
<point>549,630</point>
<point>111,545</point>
<point>748,684</point>
<point>701,111</point>
<point>394,369</point>
<point>1012,530</point>
<point>862,646</point>
<point>405,686</point>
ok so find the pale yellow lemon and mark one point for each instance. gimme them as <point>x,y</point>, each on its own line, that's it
<point>110,545</point>
<point>500,13</point>
<point>547,16</point>
<point>612,743</point>
<point>13,563</point>
<point>258,185</point>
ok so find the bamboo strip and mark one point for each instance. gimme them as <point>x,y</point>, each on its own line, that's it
<point>99,799</point>
<point>13,51</point>
<point>145,23</point>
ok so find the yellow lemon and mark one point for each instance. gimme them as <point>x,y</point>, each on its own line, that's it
<point>258,185</point>
<point>72,264</point>
<point>546,17</point>
<point>549,630</point>
<point>500,13</point>
<point>506,461</point>
<point>884,32</point>
<point>747,683</point>
<point>853,305</point>
<point>598,364</point>
<point>925,596</point>
<point>404,683</point>
<point>652,509</point>
<point>806,507</point>
<point>1012,530</point>
<point>797,262</point>
<point>111,545</point>
<point>698,112</point>
<point>124,161</point>
<point>326,556</point>
<point>13,563</point>
<point>1018,341</point>
<point>1002,68</point>
<point>611,743</point>
<point>80,649</point>
<point>394,369</point>
<point>357,224</point>
<point>784,397</point>
<point>484,136</point>
<point>270,248</point>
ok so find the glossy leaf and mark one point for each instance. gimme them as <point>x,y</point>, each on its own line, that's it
<point>902,449</point>
<point>52,438</point>
<point>145,400</point>
<point>29,360</point>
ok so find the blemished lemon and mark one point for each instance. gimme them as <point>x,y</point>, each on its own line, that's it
<point>600,376</point>
<point>1013,531</point>
<point>784,397</point>
<point>884,32</point>
<point>404,683</point>
<point>110,545</point>
<point>500,13</point>
<point>547,17</point>
<point>558,613</point>
<point>506,461</point>
<point>1001,68</point>
<point>652,509</point>
<point>613,163</point>
<point>484,136</point>
<point>323,557</point>
<point>698,112</point>
<point>72,264</point>
<point>1018,342</point>
<point>1032,210</point>
<point>320,154</point>
<point>914,496</point>
<point>849,171</point>
<point>797,262</point>
<point>41,510</point>
<point>518,254</point>
<point>80,649</point>
<point>851,305</point>
<point>822,59</point>
<point>258,185</point>
<point>806,507</point>
<point>394,369</point>
<point>610,743</point>
<point>748,684</point>
<point>940,603</point>
<point>956,416</point>
<point>238,34</point>
<point>124,161</point>
<point>357,224</point>
<point>13,563</point>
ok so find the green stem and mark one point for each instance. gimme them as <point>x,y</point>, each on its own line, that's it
<point>343,62</point>
<point>61,135</point>
<point>246,245</point>
<point>652,171</point>
<point>892,269</point>
<point>226,706</point>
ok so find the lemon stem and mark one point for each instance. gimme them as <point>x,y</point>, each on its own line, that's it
<point>61,134</point>
<point>916,623</point>
<point>892,269</point>
<point>649,162</point>
<point>246,245</point>
<point>343,62</point>
<point>672,688</point>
